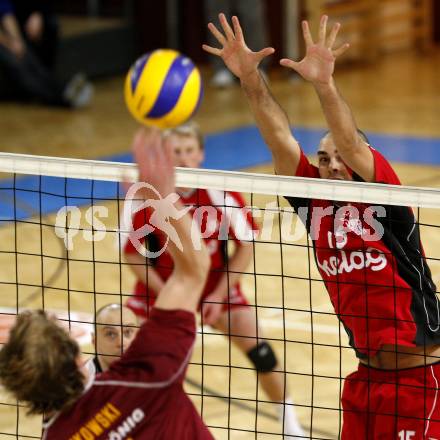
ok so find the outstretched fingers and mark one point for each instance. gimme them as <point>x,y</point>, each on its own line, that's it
<point>263,53</point>
<point>169,156</point>
<point>217,34</point>
<point>226,27</point>
<point>137,140</point>
<point>340,50</point>
<point>146,146</point>
<point>286,62</point>
<point>322,30</point>
<point>237,29</point>
<point>333,34</point>
<point>138,146</point>
<point>307,34</point>
<point>212,50</point>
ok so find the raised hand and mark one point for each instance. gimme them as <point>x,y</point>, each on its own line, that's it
<point>239,59</point>
<point>319,63</point>
<point>155,161</point>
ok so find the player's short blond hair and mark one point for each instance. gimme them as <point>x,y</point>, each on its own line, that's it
<point>190,129</point>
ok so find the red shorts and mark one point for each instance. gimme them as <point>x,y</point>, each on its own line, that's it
<point>141,303</point>
<point>398,404</point>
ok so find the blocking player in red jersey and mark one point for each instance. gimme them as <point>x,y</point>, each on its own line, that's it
<point>224,305</point>
<point>141,395</point>
<point>370,258</point>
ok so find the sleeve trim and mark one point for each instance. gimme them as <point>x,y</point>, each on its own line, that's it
<point>148,385</point>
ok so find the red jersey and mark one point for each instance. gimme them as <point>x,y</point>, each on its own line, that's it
<point>373,266</point>
<point>224,218</point>
<point>141,396</point>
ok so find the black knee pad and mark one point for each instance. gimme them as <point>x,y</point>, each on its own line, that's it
<point>263,357</point>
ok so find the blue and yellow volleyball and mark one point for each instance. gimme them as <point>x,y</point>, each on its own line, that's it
<point>163,88</point>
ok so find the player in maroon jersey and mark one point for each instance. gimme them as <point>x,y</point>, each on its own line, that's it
<point>370,258</point>
<point>140,396</point>
<point>228,312</point>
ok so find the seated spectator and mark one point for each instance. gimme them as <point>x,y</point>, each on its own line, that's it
<point>24,76</point>
<point>39,27</point>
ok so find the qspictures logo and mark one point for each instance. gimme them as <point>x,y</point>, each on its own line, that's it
<point>162,211</point>
<point>216,222</point>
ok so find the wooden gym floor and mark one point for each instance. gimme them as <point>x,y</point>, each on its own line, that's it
<point>398,96</point>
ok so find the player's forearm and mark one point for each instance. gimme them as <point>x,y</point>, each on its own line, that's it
<point>237,265</point>
<point>189,260</point>
<point>271,119</point>
<point>340,119</point>
<point>144,273</point>
<point>184,287</point>
<point>273,124</point>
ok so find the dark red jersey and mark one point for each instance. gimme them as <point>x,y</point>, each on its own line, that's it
<point>373,265</point>
<point>222,216</point>
<point>141,396</point>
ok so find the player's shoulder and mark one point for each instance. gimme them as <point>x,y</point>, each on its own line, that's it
<point>383,170</point>
<point>305,168</point>
<point>74,421</point>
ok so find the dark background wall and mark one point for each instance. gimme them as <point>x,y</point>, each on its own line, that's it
<point>193,27</point>
<point>436,19</point>
<point>150,22</point>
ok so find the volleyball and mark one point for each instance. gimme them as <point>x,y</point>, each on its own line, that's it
<point>163,88</point>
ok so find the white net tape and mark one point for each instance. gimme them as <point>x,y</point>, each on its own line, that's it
<point>228,181</point>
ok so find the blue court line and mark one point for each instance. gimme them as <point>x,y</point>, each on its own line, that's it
<point>244,147</point>
<point>231,150</point>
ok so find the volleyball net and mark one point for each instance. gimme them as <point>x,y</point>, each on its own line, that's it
<point>61,249</point>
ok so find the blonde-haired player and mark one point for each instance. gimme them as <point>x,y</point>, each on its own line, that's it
<point>141,395</point>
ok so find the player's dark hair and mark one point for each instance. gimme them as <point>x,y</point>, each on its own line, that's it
<point>189,129</point>
<point>360,132</point>
<point>38,364</point>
